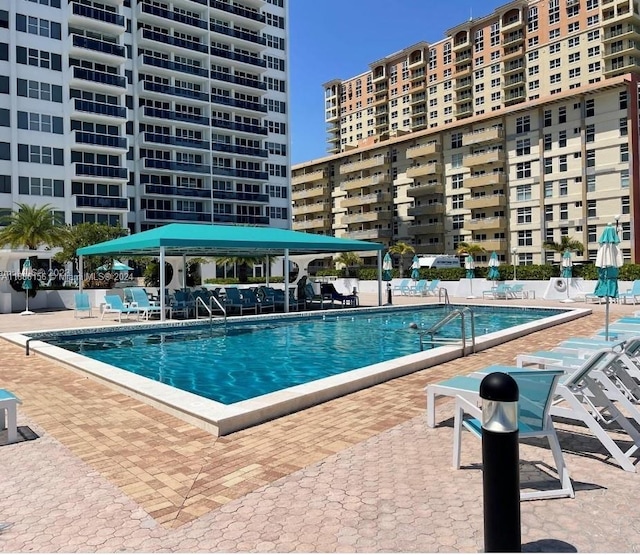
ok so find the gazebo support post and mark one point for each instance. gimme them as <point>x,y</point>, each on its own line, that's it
<point>286,280</point>
<point>267,271</point>
<point>80,272</point>
<point>184,272</point>
<point>380,278</point>
<point>162,285</point>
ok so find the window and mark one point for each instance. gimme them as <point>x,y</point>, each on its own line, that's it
<point>35,26</point>
<point>591,183</point>
<point>457,202</point>
<point>591,209</point>
<point>40,122</point>
<point>590,133</point>
<point>562,114</point>
<point>622,99</point>
<point>564,212</point>
<point>457,181</point>
<point>562,139</point>
<point>523,124</point>
<point>456,140</point>
<point>457,222</point>
<point>590,108</point>
<point>38,58</point>
<point>624,179</point>
<point>523,192</point>
<point>591,158</point>
<point>524,215</point>
<point>563,188</point>
<point>623,126</point>
<point>562,160</point>
<point>44,187</point>
<point>525,238</point>
<point>37,154</point>
<point>547,141</point>
<point>548,189</point>
<point>547,118</point>
<point>624,153</point>
<point>523,146</point>
<point>523,170</point>
<point>548,165</point>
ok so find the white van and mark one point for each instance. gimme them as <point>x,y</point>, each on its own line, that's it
<point>439,261</point>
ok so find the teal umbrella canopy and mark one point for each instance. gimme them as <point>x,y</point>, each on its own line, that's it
<point>494,264</point>
<point>116,266</point>
<point>387,268</point>
<point>27,274</point>
<point>415,268</point>
<point>608,260</point>
<point>567,264</point>
<point>470,266</point>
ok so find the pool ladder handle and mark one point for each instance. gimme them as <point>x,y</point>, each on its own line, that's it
<point>209,308</point>
<point>448,318</point>
<point>442,292</point>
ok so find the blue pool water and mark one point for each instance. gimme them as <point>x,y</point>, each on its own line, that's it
<point>248,359</point>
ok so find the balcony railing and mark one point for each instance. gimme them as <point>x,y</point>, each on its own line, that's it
<point>176,141</point>
<point>94,170</point>
<point>175,41</point>
<point>99,15</point>
<point>240,196</point>
<point>240,219</point>
<point>98,45</point>
<point>174,16</point>
<point>115,203</point>
<point>166,190</point>
<point>175,91</point>
<point>175,116</point>
<point>99,108</point>
<point>237,10</point>
<point>110,141</point>
<point>245,174</point>
<point>228,78</point>
<point>232,125</point>
<point>175,66</point>
<point>237,149</point>
<point>236,103</point>
<point>175,215</point>
<point>99,77</point>
<point>238,57</point>
<point>236,33</point>
<point>176,166</point>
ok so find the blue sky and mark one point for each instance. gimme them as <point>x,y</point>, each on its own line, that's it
<point>340,38</point>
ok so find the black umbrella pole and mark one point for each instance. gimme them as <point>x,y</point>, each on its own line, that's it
<point>389,301</point>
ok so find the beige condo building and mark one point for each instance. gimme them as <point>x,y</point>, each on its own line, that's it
<point>518,128</point>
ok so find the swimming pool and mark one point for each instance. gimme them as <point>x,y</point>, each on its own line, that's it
<point>265,366</point>
<point>241,361</point>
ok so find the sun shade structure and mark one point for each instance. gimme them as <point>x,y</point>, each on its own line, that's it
<point>222,240</point>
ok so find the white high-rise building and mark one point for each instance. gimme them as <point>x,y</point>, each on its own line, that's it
<point>145,112</point>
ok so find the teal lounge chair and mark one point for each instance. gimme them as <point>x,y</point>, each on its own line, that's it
<point>431,289</point>
<point>329,291</point>
<point>266,304</point>
<point>236,302</point>
<point>420,287</point>
<point>141,300</point>
<point>632,294</point>
<point>402,288</point>
<point>82,304</point>
<point>500,291</point>
<point>536,389</point>
<point>114,305</point>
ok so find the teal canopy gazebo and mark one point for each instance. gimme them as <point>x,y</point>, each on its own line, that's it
<point>221,240</point>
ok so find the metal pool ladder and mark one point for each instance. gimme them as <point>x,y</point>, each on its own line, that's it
<point>461,312</point>
<point>209,309</point>
<point>442,292</point>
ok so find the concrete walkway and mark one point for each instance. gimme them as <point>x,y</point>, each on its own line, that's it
<point>361,473</point>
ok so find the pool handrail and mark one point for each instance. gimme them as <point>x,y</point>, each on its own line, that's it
<point>463,335</point>
<point>209,308</point>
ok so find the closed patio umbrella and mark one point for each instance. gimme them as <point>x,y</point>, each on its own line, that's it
<point>470,266</point>
<point>415,268</point>
<point>567,272</point>
<point>608,261</point>
<point>27,284</point>
<point>387,274</point>
<point>494,264</point>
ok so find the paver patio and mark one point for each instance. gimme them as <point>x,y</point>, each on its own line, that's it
<point>359,473</point>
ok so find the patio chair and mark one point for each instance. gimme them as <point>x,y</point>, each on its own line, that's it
<point>431,289</point>
<point>311,297</point>
<point>516,291</point>
<point>114,305</point>
<point>182,302</point>
<point>81,304</point>
<point>249,296</point>
<point>141,300</point>
<point>402,288</point>
<point>420,287</point>
<point>578,396</point>
<point>632,294</point>
<point>500,291</point>
<point>236,302</point>
<point>9,407</point>
<point>329,291</point>
<point>536,389</point>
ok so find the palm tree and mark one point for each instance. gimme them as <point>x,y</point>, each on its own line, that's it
<point>242,263</point>
<point>32,227</point>
<point>566,244</point>
<point>401,249</point>
<point>470,248</point>
<point>348,260</point>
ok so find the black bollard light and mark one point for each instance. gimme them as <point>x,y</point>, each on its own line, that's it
<point>500,464</point>
<point>389,293</point>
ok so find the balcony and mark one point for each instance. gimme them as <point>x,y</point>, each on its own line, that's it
<point>243,174</point>
<point>512,24</point>
<point>482,158</point>
<point>236,103</point>
<point>512,67</point>
<point>361,182</point>
<point>463,71</point>
<point>478,224</point>
<point>368,234</point>
<point>424,189</point>
<point>238,149</point>
<point>308,177</point>
<point>242,127</point>
<point>513,39</point>
<point>424,150</point>
<point>424,169</point>
<point>314,208</point>
<point>615,66</point>
<point>93,18</point>
<point>515,96</point>
<point>315,223</point>
<point>364,164</point>
<point>362,200</point>
<point>418,98</point>
<point>628,47</point>
<point>464,111</point>
<point>239,196</point>
<point>433,209</point>
<point>238,57</point>
<point>158,164</point>
<point>492,244</point>
<point>486,201</point>
<point>238,10</point>
<point>105,112</point>
<point>486,179</point>
<point>242,81</point>
<point>183,117</point>
<point>169,191</point>
<point>182,21</point>
<point>183,142</point>
<point>627,31</point>
<point>103,142</point>
<point>172,67</point>
<point>176,42</point>
<point>462,84</point>
<point>107,203</point>
<point>619,14</point>
<point>371,216</point>
<point>435,228</point>
<point>238,34</point>
<point>167,90</point>
<point>461,44</point>
<point>172,215</point>
<point>107,52</point>
<point>311,192</point>
<point>483,136</point>
<point>418,75</point>
<point>101,172</point>
<point>105,82</point>
<point>512,52</point>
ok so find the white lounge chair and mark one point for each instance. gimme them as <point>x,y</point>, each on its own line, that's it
<point>9,406</point>
<point>114,305</point>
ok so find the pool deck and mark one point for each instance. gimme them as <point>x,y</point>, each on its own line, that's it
<point>361,473</point>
